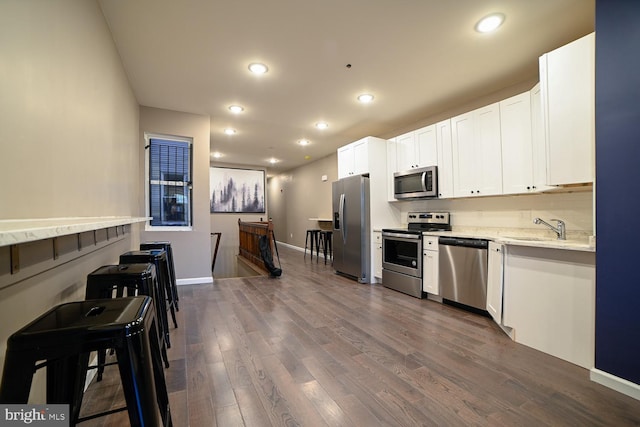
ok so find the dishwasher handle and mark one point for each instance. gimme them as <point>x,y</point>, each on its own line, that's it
<point>466,242</point>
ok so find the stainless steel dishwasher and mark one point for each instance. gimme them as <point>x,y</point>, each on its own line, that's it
<point>462,270</point>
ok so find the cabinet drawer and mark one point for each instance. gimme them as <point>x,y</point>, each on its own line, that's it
<point>430,243</point>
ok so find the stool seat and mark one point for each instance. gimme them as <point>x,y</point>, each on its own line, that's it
<point>136,279</point>
<point>65,335</point>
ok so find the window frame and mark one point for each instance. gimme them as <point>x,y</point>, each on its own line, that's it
<point>148,136</point>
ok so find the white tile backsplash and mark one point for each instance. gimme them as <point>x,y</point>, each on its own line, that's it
<point>514,212</point>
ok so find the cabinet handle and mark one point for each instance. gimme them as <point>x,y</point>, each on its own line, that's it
<point>478,191</point>
<point>472,192</point>
<point>528,187</point>
<point>534,187</point>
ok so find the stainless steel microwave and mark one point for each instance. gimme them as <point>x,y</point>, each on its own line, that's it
<point>416,183</point>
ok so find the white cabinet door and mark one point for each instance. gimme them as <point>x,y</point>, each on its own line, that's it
<point>445,159</point>
<point>495,281</point>
<point>517,152</point>
<point>567,79</point>
<point>377,254</point>
<point>538,143</point>
<point>430,259</point>
<point>464,157</point>
<point>405,152</point>
<point>426,151</point>
<point>391,169</point>
<point>345,161</point>
<point>489,150</point>
<point>353,159</point>
<point>477,154</point>
<point>361,157</point>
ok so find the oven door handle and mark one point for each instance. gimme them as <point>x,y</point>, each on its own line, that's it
<point>402,236</point>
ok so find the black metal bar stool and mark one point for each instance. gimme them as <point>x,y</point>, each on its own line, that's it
<point>326,241</point>
<point>314,235</point>
<point>172,268</point>
<point>65,335</point>
<point>111,281</point>
<point>157,257</point>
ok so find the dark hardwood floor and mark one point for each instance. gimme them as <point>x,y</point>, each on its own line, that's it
<point>316,349</point>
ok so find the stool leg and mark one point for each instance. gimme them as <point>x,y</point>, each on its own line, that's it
<point>306,241</point>
<point>158,375</point>
<point>169,296</point>
<point>136,372</point>
<point>317,246</point>
<point>65,382</point>
<point>16,378</point>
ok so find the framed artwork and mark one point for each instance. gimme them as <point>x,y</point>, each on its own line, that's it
<point>236,190</point>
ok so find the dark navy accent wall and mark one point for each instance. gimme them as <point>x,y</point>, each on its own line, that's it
<point>618,188</point>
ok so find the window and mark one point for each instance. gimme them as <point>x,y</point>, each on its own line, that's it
<point>168,174</point>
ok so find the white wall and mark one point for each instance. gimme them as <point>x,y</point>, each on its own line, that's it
<point>68,142</point>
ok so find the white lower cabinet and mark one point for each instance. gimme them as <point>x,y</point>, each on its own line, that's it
<point>377,255</point>
<point>549,301</point>
<point>430,261</point>
<point>495,281</point>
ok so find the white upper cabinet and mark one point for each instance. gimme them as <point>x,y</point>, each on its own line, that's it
<point>353,159</point>
<point>477,156</point>
<point>567,78</point>
<point>445,159</point>
<point>391,168</point>
<point>517,150</point>
<point>538,143</point>
<point>416,149</point>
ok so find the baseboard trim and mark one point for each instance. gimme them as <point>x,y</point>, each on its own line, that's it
<point>297,248</point>
<point>616,383</point>
<point>195,281</point>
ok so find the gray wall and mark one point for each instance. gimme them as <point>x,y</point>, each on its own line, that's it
<point>227,224</point>
<point>68,141</point>
<point>191,249</point>
<point>300,194</point>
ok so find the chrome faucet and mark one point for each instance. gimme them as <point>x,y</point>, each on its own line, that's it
<point>560,230</point>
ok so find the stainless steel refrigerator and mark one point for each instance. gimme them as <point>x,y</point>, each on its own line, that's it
<point>351,233</point>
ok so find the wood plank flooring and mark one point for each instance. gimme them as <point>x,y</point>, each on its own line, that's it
<point>316,349</point>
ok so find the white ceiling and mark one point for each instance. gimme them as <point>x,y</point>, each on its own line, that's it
<point>415,56</point>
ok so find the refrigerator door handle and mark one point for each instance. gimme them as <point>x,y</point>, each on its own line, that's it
<point>342,218</point>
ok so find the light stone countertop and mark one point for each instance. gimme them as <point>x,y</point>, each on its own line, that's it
<point>514,237</point>
<point>15,231</point>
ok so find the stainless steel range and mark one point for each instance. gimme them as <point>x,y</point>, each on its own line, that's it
<point>402,251</point>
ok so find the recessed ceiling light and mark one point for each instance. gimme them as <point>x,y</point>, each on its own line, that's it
<point>273,161</point>
<point>217,155</point>
<point>230,131</point>
<point>490,23</point>
<point>365,97</point>
<point>304,142</point>
<point>236,109</point>
<point>322,125</point>
<point>257,68</point>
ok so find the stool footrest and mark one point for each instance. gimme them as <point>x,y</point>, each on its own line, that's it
<point>101,414</point>
<point>102,365</point>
